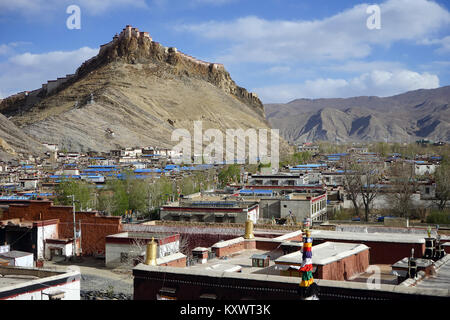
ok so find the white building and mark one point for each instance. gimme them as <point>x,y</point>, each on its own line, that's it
<point>39,284</point>
<point>29,184</point>
<point>423,168</point>
<point>58,248</point>
<point>304,205</point>
<point>122,247</point>
<point>280,179</point>
<point>18,258</point>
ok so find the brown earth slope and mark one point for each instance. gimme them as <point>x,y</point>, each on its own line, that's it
<point>139,90</point>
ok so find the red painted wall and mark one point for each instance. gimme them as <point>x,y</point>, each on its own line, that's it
<point>94,228</point>
<point>344,268</point>
<point>385,252</point>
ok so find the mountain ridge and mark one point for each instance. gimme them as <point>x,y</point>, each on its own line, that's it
<point>417,114</point>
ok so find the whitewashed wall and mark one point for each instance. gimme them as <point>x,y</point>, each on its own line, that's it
<point>45,232</point>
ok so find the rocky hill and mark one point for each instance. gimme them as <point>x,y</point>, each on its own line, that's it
<point>405,117</point>
<point>135,92</point>
<point>13,142</point>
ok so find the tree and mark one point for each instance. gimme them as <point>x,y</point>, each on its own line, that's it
<point>231,173</point>
<point>382,148</point>
<point>404,185</point>
<point>120,201</point>
<point>295,158</point>
<point>137,191</point>
<point>80,189</point>
<point>369,189</point>
<point>442,179</point>
<point>352,183</point>
<point>361,181</point>
<point>105,202</point>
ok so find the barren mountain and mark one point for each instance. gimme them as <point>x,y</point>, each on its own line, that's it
<point>412,115</point>
<point>13,141</point>
<point>135,92</point>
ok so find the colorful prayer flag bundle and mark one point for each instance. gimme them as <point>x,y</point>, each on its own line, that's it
<point>306,268</point>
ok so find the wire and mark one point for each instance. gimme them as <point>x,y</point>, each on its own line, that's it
<point>29,230</point>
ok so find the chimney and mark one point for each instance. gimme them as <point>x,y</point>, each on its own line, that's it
<point>412,265</point>
<point>249,230</point>
<point>150,259</point>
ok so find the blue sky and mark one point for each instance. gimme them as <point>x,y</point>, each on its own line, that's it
<point>280,49</point>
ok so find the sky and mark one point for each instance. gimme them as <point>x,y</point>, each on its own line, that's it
<point>280,49</point>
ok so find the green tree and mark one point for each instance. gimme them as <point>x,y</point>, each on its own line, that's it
<point>230,174</point>
<point>120,200</point>
<point>137,191</point>
<point>79,188</point>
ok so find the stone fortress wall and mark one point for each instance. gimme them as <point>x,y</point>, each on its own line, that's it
<point>129,32</point>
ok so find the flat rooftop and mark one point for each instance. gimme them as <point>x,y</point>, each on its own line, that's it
<point>238,261</point>
<point>223,204</point>
<point>441,280</point>
<point>141,235</point>
<point>13,280</point>
<point>362,236</point>
<point>17,276</point>
<point>324,253</point>
<point>15,254</point>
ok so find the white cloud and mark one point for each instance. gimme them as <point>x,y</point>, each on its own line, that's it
<point>278,70</point>
<point>29,71</point>
<point>36,8</point>
<point>444,44</point>
<point>8,48</point>
<point>355,66</point>
<point>375,83</point>
<point>339,37</point>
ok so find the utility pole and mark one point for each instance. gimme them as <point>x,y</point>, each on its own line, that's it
<point>81,250</point>
<point>74,226</point>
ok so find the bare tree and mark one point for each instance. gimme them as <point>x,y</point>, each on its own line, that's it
<point>352,182</point>
<point>404,185</point>
<point>370,178</point>
<point>442,179</point>
<point>136,254</point>
<point>139,247</point>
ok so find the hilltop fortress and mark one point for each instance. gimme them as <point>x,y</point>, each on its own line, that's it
<point>135,47</point>
<point>129,32</point>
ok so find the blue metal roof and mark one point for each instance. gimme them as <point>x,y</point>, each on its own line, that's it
<point>14,198</point>
<point>311,165</point>
<point>38,194</point>
<point>146,170</point>
<point>337,154</point>
<point>255,191</point>
<point>100,166</point>
<point>99,169</point>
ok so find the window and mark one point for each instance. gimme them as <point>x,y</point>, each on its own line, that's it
<point>123,257</point>
<point>427,190</point>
